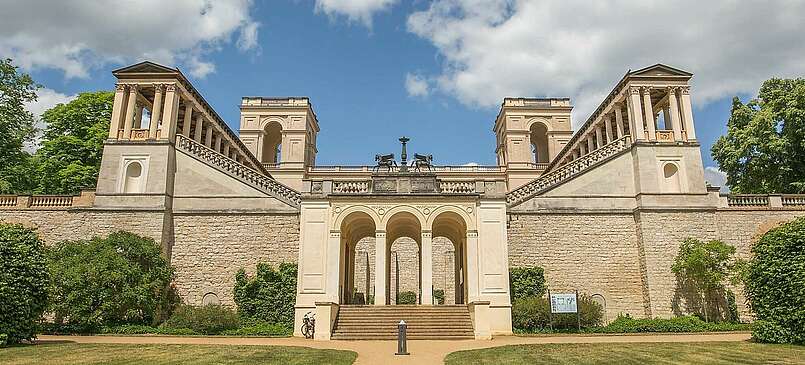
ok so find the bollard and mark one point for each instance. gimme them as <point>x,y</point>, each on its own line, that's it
<point>402,346</point>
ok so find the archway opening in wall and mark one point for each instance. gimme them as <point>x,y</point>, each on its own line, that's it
<point>133,176</point>
<point>272,143</point>
<point>539,143</point>
<point>670,173</point>
<point>357,235</point>
<point>450,257</point>
<point>404,244</point>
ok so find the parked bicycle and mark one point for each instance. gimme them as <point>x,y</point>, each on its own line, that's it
<point>309,324</point>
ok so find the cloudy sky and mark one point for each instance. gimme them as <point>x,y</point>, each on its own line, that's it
<point>433,70</point>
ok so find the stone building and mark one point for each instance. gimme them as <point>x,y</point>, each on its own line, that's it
<point>603,209</point>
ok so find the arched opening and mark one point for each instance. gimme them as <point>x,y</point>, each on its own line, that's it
<point>272,143</point>
<point>671,182</point>
<point>404,235</point>
<point>450,238</point>
<point>539,143</point>
<point>357,228</point>
<point>133,178</point>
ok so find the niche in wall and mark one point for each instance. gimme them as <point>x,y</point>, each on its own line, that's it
<point>133,174</point>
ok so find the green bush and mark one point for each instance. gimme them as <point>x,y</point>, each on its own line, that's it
<point>775,284</point>
<point>532,314</point>
<point>135,329</point>
<point>526,282</point>
<point>627,324</point>
<point>23,282</point>
<point>269,295</point>
<point>702,269</point>
<point>258,328</point>
<point>120,279</point>
<point>406,297</point>
<point>3,339</point>
<point>206,320</point>
<point>438,294</point>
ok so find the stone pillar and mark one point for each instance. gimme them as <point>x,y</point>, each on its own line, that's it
<point>199,128</point>
<point>583,148</point>
<point>473,267</point>
<point>380,268</point>
<point>635,115</point>
<point>208,137</point>
<point>674,106</point>
<point>226,153</point>
<point>426,267</point>
<point>687,114</point>
<point>171,114</point>
<point>608,128</point>
<point>217,143</point>
<point>117,110</point>
<point>188,119</point>
<point>333,267</point>
<point>618,121</point>
<point>647,107</point>
<point>599,138</point>
<point>590,145</point>
<point>575,154</point>
<point>131,103</point>
<point>138,117</point>
<point>156,113</point>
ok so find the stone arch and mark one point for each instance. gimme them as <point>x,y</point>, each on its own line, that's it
<point>345,212</point>
<point>452,225</point>
<point>402,208</point>
<point>469,222</point>
<point>133,177</point>
<point>272,140</point>
<point>210,298</point>
<point>353,226</point>
<point>671,177</point>
<point>538,130</point>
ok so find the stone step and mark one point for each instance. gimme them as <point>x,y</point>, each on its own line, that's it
<point>424,322</point>
<point>394,337</point>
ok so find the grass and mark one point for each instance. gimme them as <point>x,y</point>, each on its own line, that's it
<point>633,353</point>
<point>71,353</point>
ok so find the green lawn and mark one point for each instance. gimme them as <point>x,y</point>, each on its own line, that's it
<point>71,353</point>
<point>633,353</point>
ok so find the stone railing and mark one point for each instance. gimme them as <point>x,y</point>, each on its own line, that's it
<point>271,165</point>
<point>50,201</point>
<point>352,187</point>
<point>751,201</point>
<point>568,171</point>
<point>747,200</point>
<point>47,202</point>
<point>239,171</point>
<point>442,168</point>
<point>457,187</point>
<point>793,200</point>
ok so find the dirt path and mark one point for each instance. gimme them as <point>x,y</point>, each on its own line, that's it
<point>382,352</point>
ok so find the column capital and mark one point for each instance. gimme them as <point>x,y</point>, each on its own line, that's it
<point>645,90</point>
<point>335,233</point>
<point>380,234</point>
<point>472,233</point>
<point>427,234</point>
<point>685,90</point>
<point>634,90</point>
<point>120,87</point>
<point>170,87</point>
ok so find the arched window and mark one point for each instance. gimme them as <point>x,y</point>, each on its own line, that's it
<point>272,143</point>
<point>210,299</point>
<point>670,173</point>
<point>133,178</point>
<point>539,143</point>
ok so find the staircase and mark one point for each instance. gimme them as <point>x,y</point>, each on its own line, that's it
<point>367,322</point>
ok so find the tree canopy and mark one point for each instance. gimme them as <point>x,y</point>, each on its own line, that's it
<point>764,149</point>
<point>16,127</point>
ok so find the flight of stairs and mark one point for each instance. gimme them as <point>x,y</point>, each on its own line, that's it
<point>367,322</point>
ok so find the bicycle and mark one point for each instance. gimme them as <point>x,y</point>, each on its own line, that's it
<point>309,324</point>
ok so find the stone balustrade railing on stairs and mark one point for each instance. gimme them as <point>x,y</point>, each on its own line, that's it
<point>568,171</point>
<point>239,171</point>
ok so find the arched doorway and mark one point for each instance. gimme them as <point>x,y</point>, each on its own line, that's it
<point>356,228</point>
<point>272,143</point>
<point>403,230</point>
<point>539,143</point>
<point>450,228</point>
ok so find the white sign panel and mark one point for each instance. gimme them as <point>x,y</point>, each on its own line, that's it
<point>563,303</point>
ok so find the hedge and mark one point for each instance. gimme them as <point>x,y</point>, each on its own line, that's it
<point>24,282</point>
<point>526,282</point>
<point>406,297</point>
<point>269,295</point>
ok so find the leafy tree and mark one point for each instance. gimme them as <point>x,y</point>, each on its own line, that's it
<point>526,282</point>
<point>775,284</point>
<point>120,279</point>
<point>16,127</point>
<point>705,266</point>
<point>23,282</point>
<point>269,295</point>
<point>72,144</point>
<point>764,149</point>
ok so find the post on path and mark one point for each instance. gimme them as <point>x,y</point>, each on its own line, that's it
<point>402,338</point>
<point>578,313</point>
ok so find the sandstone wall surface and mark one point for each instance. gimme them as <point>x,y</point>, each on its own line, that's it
<point>57,225</point>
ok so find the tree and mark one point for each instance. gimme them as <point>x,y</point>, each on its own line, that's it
<point>269,295</point>
<point>23,282</point>
<point>16,128</point>
<point>72,145</point>
<point>764,149</point>
<point>120,279</point>
<point>706,266</point>
<point>775,284</point>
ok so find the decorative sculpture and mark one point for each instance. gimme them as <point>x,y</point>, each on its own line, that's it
<point>385,161</point>
<point>421,161</point>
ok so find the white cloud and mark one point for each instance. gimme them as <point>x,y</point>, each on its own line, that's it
<point>581,48</point>
<point>79,35</point>
<point>355,10</point>
<point>716,177</point>
<point>416,85</point>
<point>46,99</point>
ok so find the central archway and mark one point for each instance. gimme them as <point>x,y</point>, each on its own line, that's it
<point>452,227</point>
<point>401,227</point>
<point>355,227</point>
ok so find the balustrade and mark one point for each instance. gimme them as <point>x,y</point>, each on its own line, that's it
<point>8,200</point>
<point>457,187</point>
<point>351,187</point>
<point>50,201</point>
<point>793,200</point>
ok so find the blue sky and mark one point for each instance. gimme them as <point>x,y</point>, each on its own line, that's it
<point>352,58</point>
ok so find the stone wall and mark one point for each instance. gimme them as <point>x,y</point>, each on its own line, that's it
<point>57,225</point>
<point>209,249</point>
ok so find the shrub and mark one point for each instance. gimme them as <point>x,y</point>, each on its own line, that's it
<point>526,282</point>
<point>702,269</point>
<point>438,294</point>
<point>120,279</point>
<point>269,295</point>
<point>3,339</point>
<point>135,329</point>
<point>532,314</point>
<point>23,282</point>
<point>775,284</point>
<point>406,297</point>
<point>258,328</point>
<point>627,324</point>
<point>206,320</point>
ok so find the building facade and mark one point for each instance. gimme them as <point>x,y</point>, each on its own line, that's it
<point>603,209</point>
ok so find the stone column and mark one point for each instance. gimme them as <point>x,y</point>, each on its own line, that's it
<point>226,153</point>
<point>117,110</point>
<point>651,125</point>
<point>199,128</point>
<point>217,143</point>
<point>156,114</point>
<point>171,114</point>
<point>608,128</point>
<point>138,117</point>
<point>687,113</point>
<point>618,121</point>
<point>208,137</point>
<point>635,115</point>
<point>129,118</point>
<point>676,124</point>
<point>473,267</point>
<point>599,138</point>
<point>188,119</point>
<point>583,148</point>
<point>380,268</point>
<point>590,145</point>
<point>426,267</point>
<point>575,154</point>
<point>333,267</point>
